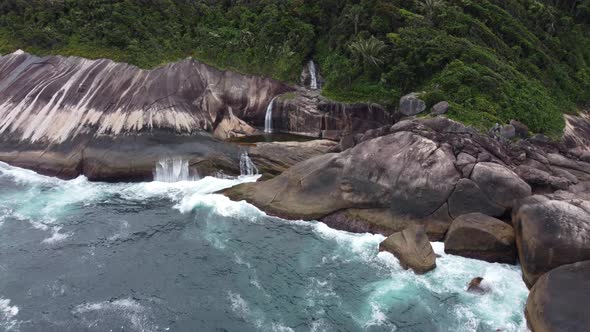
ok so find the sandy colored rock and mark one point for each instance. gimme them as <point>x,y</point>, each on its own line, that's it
<point>412,248</point>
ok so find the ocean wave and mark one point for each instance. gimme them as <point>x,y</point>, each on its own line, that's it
<point>7,315</point>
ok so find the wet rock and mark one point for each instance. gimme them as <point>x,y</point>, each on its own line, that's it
<point>559,300</point>
<point>551,230</point>
<point>475,286</point>
<point>411,104</point>
<point>478,236</point>
<point>412,248</point>
<point>308,113</point>
<point>440,108</point>
<point>122,158</point>
<point>501,185</point>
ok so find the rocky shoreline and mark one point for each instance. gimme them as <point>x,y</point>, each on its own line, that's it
<point>500,196</point>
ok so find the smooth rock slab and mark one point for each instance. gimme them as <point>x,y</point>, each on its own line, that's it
<point>413,249</point>
<point>478,236</point>
<point>560,300</point>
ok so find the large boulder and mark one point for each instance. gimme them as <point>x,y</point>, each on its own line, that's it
<point>478,236</point>
<point>411,104</point>
<point>551,231</point>
<point>412,248</point>
<point>404,172</point>
<point>468,197</point>
<point>560,299</point>
<point>440,108</point>
<point>501,185</point>
<point>384,221</point>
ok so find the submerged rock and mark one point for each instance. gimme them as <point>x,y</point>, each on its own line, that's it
<point>478,236</point>
<point>559,301</point>
<point>412,247</point>
<point>475,286</point>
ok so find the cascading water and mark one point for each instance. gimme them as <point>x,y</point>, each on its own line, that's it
<point>247,167</point>
<point>268,117</point>
<point>314,77</point>
<point>173,170</point>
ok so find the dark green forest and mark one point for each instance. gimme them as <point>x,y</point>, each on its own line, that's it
<point>493,60</point>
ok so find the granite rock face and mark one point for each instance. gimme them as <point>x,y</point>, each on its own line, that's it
<point>559,300</point>
<point>552,230</point>
<point>55,98</point>
<point>478,236</point>
<point>67,116</point>
<point>308,113</point>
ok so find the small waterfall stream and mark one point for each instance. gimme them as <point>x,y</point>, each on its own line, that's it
<point>314,77</point>
<point>247,167</point>
<point>268,117</point>
<point>173,170</point>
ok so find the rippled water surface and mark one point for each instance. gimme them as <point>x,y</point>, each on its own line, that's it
<point>81,256</point>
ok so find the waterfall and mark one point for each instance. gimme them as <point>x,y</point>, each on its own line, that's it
<point>268,117</point>
<point>247,167</point>
<point>173,170</point>
<point>314,78</point>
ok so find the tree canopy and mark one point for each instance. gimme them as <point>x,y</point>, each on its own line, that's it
<point>493,60</point>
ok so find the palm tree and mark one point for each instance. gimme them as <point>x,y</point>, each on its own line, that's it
<point>368,51</point>
<point>430,7</point>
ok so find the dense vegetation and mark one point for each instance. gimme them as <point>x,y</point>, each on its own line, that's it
<point>494,60</point>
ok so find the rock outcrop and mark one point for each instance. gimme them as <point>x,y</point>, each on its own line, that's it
<point>478,236</point>
<point>308,113</point>
<point>66,116</point>
<point>56,98</point>
<point>408,173</point>
<point>412,248</point>
<point>559,300</point>
<point>552,230</point>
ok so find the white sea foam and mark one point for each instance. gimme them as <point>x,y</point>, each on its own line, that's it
<point>7,314</point>
<point>129,309</point>
<point>501,308</point>
<point>56,236</point>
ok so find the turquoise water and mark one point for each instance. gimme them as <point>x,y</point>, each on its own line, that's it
<point>76,255</point>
